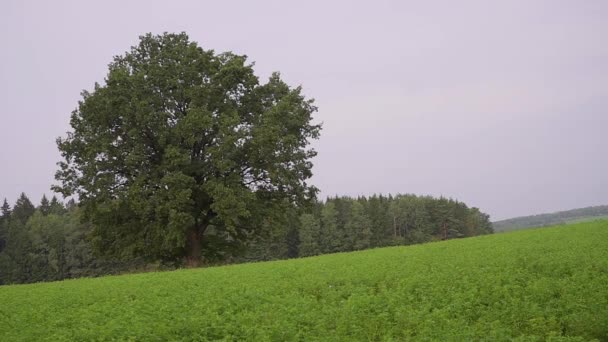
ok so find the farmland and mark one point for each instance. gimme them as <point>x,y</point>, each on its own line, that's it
<point>534,284</point>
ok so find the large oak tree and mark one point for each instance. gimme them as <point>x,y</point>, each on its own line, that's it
<point>183,153</point>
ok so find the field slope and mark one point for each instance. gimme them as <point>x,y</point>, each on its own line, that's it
<point>535,284</point>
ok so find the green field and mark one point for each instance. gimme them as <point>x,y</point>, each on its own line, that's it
<point>538,284</point>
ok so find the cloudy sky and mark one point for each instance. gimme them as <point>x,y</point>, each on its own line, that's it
<point>500,104</point>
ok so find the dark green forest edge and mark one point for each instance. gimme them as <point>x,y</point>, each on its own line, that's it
<point>550,219</point>
<point>51,241</point>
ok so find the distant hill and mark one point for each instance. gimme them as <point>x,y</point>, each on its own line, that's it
<point>560,217</point>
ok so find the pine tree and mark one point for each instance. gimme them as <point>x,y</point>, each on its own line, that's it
<point>375,214</point>
<point>5,210</point>
<point>57,207</point>
<point>421,222</point>
<point>15,262</point>
<point>16,250</point>
<point>292,239</point>
<point>45,206</point>
<point>360,227</point>
<point>343,212</point>
<point>23,209</point>
<point>309,234</point>
<point>331,239</point>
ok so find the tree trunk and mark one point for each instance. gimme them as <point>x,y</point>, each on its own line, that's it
<point>193,245</point>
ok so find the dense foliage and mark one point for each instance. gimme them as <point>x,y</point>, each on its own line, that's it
<point>52,242</point>
<point>183,153</point>
<point>49,243</point>
<point>344,224</point>
<point>532,285</point>
<point>560,217</point>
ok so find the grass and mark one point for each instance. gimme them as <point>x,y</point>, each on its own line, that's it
<point>538,284</point>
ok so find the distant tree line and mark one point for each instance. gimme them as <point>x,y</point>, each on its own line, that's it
<point>51,241</point>
<point>48,242</point>
<point>343,224</point>
<point>560,217</point>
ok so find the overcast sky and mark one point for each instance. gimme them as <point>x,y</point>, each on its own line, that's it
<point>500,104</point>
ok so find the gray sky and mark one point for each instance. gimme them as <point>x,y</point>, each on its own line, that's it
<point>500,104</point>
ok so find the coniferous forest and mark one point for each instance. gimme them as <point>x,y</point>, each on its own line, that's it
<point>50,241</point>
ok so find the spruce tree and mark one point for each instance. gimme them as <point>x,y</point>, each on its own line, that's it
<point>309,234</point>
<point>56,207</point>
<point>331,239</point>
<point>45,206</point>
<point>360,227</point>
<point>23,209</point>
<point>5,209</point>
<point>5,212</point>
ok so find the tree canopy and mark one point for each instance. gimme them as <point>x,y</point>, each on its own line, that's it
<point>183,153</point>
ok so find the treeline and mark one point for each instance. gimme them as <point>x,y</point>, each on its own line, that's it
<point>343,224</point>
<point>560,217</point>
<point>50,241</point>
